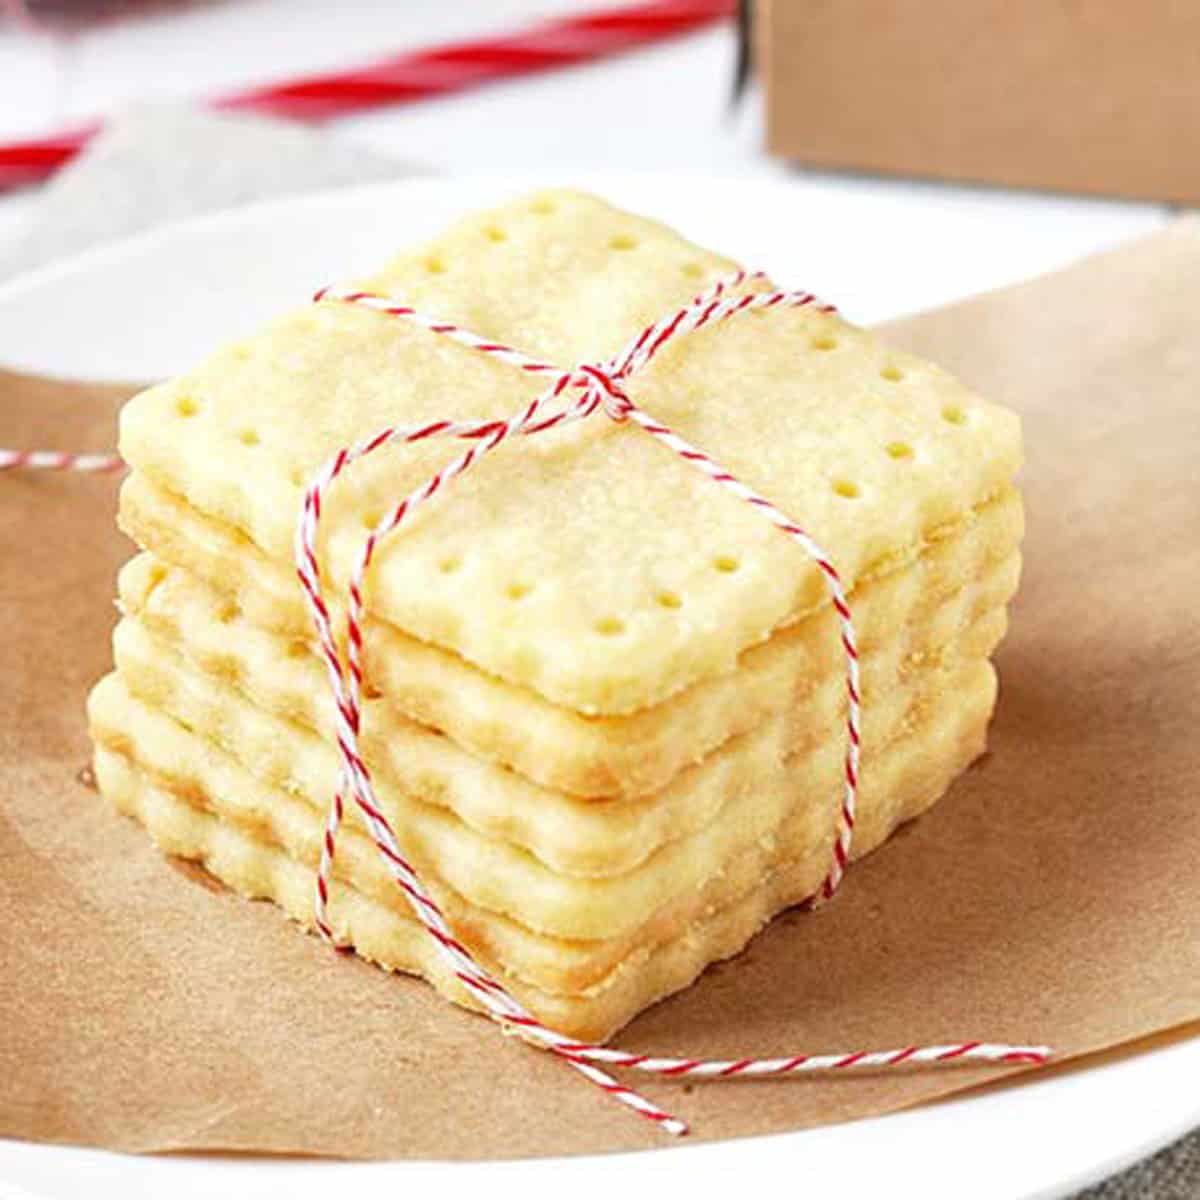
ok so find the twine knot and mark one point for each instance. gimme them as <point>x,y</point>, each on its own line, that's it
<point>596,387</point>
<point>603,388</point>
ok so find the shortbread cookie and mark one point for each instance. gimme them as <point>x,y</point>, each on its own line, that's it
<point>547,564</point>
<point>211,679</point>
<point>564,834</point>
<point>499,877</point>
<point>278,864</point>
<point>605,701</point>
<point>555,964</point>
<point>969,567</point>
<point>202,777</point>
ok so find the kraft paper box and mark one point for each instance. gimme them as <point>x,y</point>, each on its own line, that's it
<point>1080,97</point>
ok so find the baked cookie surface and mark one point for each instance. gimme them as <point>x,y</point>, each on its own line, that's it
<point>871,449</point>
<point>604,701</point>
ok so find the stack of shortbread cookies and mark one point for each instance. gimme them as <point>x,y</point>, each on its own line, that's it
<point>605,702</point>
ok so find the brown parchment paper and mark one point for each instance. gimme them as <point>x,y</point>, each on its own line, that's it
<point>1053,896</point>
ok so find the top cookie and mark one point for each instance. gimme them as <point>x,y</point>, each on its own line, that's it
<point>589,564</point>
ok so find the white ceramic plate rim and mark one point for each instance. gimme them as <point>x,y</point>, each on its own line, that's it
<point>1044,1138</point>
<point>877,253</point>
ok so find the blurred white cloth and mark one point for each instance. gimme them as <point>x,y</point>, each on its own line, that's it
<point>159,164</point>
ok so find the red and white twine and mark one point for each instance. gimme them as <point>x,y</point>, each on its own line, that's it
<point>594,388</point>
<point>60,460</point>
<point>584,391</point>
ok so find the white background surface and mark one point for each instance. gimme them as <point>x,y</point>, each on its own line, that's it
<point>877,247</point>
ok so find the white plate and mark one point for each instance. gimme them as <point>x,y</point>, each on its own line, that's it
<point>152,305</point>
<point>148,307</point>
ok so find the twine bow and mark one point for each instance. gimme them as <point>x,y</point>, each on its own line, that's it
<point>596,387</point>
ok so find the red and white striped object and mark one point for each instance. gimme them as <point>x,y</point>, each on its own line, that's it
<point>59,460</point>
<point>593,388</point>
<point>416,75</point>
